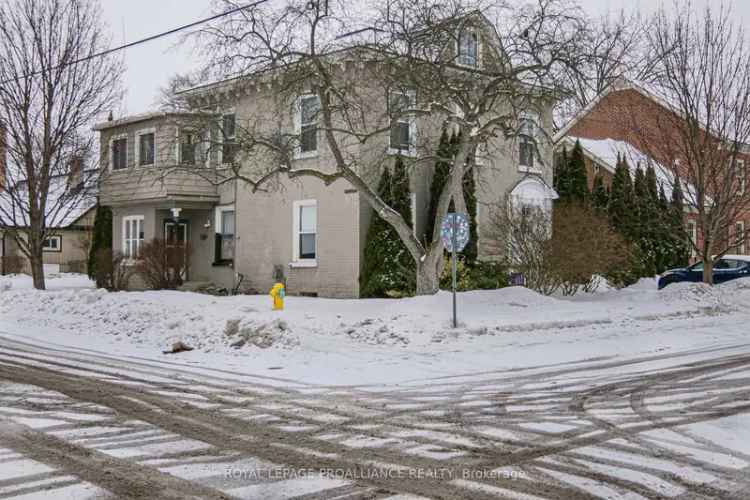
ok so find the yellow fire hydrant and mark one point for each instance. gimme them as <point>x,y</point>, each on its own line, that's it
<point>277,293</point>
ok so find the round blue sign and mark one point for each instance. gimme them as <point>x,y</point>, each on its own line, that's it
<point>454,228</point>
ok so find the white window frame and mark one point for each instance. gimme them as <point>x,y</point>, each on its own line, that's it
<point>139,220</point>
<point>534,118</point>
<point>411,95</point>
<point>57,248</point>
<point>199,146</point>
<point>738,234</point>
<point>296,260</point>
<point>298,153</point>
<point>138,135</point>
<point>112,157</point>
<point>218,213</point>
<point>739,165</point>
<point>478,37</point>
<point>226,112</point>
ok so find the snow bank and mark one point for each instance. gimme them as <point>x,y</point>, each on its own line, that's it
<point>242,323</point>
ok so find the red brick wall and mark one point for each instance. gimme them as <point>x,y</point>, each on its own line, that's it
<point>630,116</point>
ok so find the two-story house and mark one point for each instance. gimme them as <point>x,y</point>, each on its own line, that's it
<point>163,181</point>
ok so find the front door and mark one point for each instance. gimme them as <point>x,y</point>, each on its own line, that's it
<point>176,237</point>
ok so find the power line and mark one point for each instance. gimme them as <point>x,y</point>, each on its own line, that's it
<point>142,40</point>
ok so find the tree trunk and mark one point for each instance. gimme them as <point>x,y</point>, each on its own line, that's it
<point>708,270</point>
<point>37,268</point>
<point>428,280</point>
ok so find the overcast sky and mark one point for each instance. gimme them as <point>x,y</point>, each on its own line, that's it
<point>150,65</point>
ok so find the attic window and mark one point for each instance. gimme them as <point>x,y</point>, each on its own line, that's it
<point>468,48</point>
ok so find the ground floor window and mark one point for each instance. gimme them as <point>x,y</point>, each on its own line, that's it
<point>739,236</point>
<point>132,235</point>
<point>52,244</point>
<point>305,230</point>
<point>225,222</point>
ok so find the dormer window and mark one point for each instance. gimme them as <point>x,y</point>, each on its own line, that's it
<point>468,48</point>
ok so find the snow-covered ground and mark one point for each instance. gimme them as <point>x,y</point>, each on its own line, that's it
<point>375,341</point>
<point>621,394</point>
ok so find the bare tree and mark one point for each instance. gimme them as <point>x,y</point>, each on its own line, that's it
<point>614,48</point>
<point>373,70</point>
<point>52,89</point>
<point>701,128</point>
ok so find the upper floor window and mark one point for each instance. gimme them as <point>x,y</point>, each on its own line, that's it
<point>188,145</point>
<point>468,48</point>
<point>307,124</point>
<point>228,138</point>
<point>402,124</point>
<point>119,153</point>
<point>741,174</point>
<point>527,146</point>
<point>146,145</point>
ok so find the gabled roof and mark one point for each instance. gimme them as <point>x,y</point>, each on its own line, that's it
<point>64,206</point>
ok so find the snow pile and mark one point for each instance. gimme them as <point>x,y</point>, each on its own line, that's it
<point>250,332</point>
<point>144,318</point>
<point>241,324</point>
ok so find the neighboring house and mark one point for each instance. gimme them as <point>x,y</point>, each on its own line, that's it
<point>159,179</point>
<point>624,119</point>
<point>70,218</point>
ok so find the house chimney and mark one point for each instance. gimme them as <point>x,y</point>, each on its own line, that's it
<point>75,172</point>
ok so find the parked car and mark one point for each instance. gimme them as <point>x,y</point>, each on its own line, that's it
<point>727,268</point>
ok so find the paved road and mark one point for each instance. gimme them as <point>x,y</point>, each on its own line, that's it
<point>81,424</point>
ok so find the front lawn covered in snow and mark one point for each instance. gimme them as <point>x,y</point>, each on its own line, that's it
<point>377,339</point>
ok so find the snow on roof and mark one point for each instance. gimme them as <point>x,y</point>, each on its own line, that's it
<point>744,258</point>
<point>65,204</point>
<point>126,120</point>
<point>605,152</point>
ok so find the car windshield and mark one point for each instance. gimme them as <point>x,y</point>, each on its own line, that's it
<point>697,267</point>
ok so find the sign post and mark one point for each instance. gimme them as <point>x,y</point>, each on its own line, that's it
<point>454,232</point>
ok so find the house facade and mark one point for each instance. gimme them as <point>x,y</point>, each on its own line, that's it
<point>164,179</point>
<point>628,120</point>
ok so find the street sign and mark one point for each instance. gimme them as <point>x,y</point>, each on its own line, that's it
<point>454,224</point>
<point>454,231</point>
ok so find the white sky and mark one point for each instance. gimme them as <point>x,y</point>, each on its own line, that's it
<point>150,65</point>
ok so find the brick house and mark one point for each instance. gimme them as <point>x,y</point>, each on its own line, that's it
<point>630,120</point>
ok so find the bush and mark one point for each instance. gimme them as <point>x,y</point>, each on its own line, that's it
<point>12,264</point>
<point>74,266</point>
<point>163,266</point>
<point>584,246</point>
<point>112,272</point>
<point>479,276</point>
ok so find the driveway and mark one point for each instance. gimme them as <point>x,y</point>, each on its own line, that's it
<point>77,423</point>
